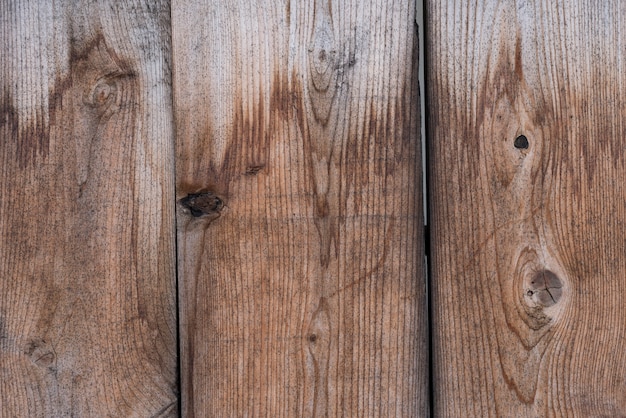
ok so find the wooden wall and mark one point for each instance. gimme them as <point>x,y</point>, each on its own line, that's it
<point>213,209</point>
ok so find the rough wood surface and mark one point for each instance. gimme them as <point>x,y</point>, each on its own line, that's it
<point>87,307</point>
<point>299,215</point>
<point>529,273</point>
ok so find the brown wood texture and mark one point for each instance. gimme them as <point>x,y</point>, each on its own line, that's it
<point>87,250</point>
<point>299,215</point>
<point>529,266</point>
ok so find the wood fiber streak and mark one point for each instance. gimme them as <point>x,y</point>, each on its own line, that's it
<point>87,250</point>
<point>303,294</point>
<point>529,273</point>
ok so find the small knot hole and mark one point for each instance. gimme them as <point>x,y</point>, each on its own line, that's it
<point>521,142</point>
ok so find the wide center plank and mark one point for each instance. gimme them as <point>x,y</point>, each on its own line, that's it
<point>299,209</point>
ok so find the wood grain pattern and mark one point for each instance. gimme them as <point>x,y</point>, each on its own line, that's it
<point>87,250</point>
<point>299,216</point>
<point>529,271</point>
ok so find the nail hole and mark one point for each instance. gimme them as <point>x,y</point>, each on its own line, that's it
<point>521,142</point>
<point>312,338</point>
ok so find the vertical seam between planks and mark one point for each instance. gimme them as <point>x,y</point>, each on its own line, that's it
<point>426,164</point>
<point>173,184</point>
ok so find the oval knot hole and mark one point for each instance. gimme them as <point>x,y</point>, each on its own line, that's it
<point>201,204</point>
<point>546,288</point>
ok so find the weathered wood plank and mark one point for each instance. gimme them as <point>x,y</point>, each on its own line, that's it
<point>528,239</point>
<point>299,216</point>
<point>87,255</point>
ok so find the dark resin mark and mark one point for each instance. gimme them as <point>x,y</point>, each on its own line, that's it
<point>202,204</point>
<point>253,170</point>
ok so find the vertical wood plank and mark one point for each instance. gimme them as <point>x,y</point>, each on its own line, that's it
<point>529,273</point>
<point>299,215</point>
<point>87,255</point>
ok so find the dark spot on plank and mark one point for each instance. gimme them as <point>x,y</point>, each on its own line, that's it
<point>202,204</point>
<point>312,338</point>
<point>254,169</point>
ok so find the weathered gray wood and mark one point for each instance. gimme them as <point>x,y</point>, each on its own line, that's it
<point>87,276</point>
<point>299,217</point>
<point>529,266</point>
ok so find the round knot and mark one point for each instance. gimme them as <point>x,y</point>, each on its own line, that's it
<point>545,288</point>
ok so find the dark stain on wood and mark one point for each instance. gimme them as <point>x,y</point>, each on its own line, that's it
<point>247,149</point>
<point>94,67</point>
<point>31,137</point>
